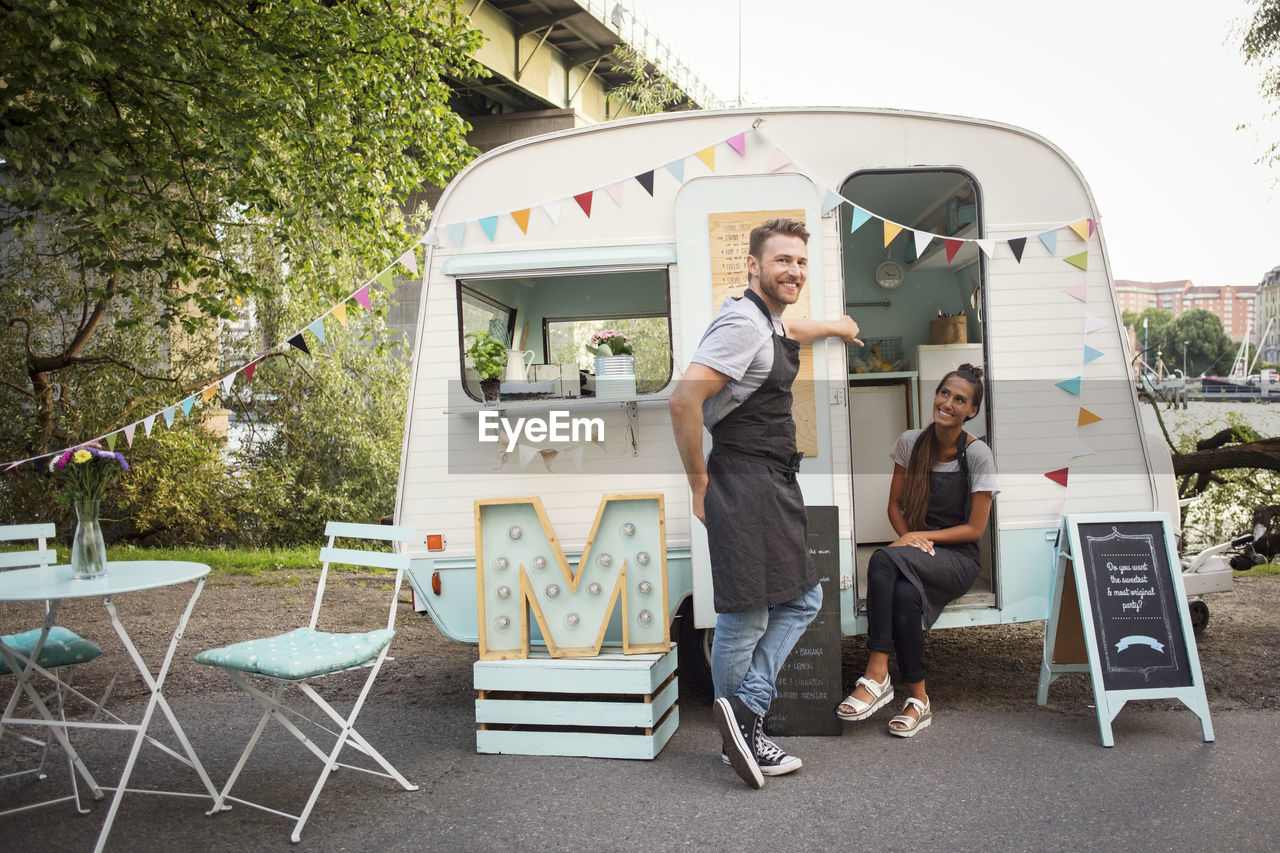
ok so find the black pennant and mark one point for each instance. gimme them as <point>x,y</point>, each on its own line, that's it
<point>646,181</point>
<point>1017,245</point>
<point>298,342</point>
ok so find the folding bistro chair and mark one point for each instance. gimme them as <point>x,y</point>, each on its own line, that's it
<point>54,650</point>
<point>295,658</point>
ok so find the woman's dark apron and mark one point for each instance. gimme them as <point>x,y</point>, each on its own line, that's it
<point>756,526</point>
<point>951,571</point>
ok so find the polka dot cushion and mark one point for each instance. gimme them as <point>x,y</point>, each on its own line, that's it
<point>62,648</point>
<point>299,654</point>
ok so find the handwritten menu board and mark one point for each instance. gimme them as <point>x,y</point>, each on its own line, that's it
<point>809,684</point>
<point>730,236</point>
<point>1136,619</point>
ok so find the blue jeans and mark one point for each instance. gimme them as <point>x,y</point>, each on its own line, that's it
<point>750,647</point>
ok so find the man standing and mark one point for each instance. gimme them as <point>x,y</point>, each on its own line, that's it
<point>766,589</point>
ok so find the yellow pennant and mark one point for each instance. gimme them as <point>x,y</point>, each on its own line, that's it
<point>708,156</point>
<point>890,231</point>
<point>1081,227</point>
<point>522,219</point>
<point>340,311</point>
<point>1086,417</point>
<point>207,394</point>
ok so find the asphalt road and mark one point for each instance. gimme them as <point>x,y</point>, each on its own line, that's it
<point>1033,778</point>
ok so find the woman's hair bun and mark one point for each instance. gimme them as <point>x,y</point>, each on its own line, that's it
<point>969,369</point>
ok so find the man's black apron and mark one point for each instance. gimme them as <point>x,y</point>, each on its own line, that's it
<point>952,569</point>
<point>756,525</point>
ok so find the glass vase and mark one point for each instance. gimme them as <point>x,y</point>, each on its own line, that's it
<point>88,551</point>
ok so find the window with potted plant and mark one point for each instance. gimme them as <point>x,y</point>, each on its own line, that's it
<point>489,356</point>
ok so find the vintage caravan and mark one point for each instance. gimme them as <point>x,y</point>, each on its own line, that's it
<point>948,240</point>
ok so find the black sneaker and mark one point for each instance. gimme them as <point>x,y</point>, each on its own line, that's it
<point>737,729</point>
<point>772,759</point>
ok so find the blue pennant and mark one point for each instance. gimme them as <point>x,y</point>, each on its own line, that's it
<point>1071,386</point>
<point>860,217</point>
<point>1091,354</point>
<point>490,226</point>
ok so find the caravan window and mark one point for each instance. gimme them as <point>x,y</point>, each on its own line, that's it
<point>553,314</point>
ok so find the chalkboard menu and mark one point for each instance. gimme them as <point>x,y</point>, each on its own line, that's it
<point>1136,618</point>
<point>809,684</point>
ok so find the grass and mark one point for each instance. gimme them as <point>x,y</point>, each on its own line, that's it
<point>1266,570</point>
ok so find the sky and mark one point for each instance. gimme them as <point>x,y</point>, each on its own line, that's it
<point>1151,99</point>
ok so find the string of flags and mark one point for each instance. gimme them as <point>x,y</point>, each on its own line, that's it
<point>586,201</point>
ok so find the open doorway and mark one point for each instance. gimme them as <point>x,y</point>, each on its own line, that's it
<point>921,314</point>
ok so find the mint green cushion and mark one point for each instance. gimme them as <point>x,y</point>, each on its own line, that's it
<point>62,648</point>
<point>299,654</point>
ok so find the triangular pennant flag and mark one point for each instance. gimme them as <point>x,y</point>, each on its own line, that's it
<point>1086,417</point>
<point>831,202</point>
<point>1081,260</point>
<point>457,230</point>
<point>409,261</point>
<point>584,201</point>
<point>891,230</point>
<point>527,455</point>
<point>297,342</point>
<point>708,156</point>
<point>385,277</point>
<point>340,312</point>
<point>1059,508</point>
<point>575,456</point>
<point>187,405</point>
<point>522,219</point>
<point>207,394</point>
<point>1071,386</point>
<point>1059,476</point>
<point>1093,324</point>
<point>860,217</point>
<point>227,381</point>
<point>432,237</point>
<point>147,423</point>
<point>738,143</point>
<point>615,192</point>
<point>168,416</point>
<point>1093,226</point>
<point>1079,291</point>
<point>248,370</point>
<point>317,329</point>
<point>129,431</point>
<point>111,442</point>
<point>1091,354</point>
<point>676,168</point>
<point>362,296</point>
<point>1050,240</point>
<point>489,224</point>
<point>552,210</point>
<point>953,246</point>
<point>1081,449</point>
<point>1016,245</point>
<point>645,179</point>
<point>1082,227</point>
<point>548,456</point>
<point>778,160</point>
<point>988,247</point>
<point>923,239</point>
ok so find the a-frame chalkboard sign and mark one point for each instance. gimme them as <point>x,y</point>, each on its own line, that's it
<point>1119,613</point>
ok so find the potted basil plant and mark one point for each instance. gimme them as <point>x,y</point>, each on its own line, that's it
<point>489,356</point>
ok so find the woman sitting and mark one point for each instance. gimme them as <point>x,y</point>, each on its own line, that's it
<point>939,502</point>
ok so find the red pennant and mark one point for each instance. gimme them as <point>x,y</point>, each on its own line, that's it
<point>584,202</point>
<point>953,246</point>
<point>1059,476</point>
<point>248,371</point>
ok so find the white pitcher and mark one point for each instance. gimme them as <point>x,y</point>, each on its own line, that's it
<point>518,363</point>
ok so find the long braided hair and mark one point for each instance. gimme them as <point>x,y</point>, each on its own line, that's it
<point>925,454</point>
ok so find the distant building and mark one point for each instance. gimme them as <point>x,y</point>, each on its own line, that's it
<point>1268,316</point>
<point>1233,304</point>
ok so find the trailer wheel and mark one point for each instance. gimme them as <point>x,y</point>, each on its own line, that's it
<point>1199,616</point>
<point>695,649</point>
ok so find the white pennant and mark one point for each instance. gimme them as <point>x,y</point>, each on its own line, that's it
<point>226,383</point>
<point>552,209</point>
<point>431,238</point>
<point>987,247</point>
<point>147,423</point>
<point>575,456</point>
<point>526,455</point>
<point>1093,324</point>
<point>409,261</point>
<point>923,239</point>
<point>1081,449</point>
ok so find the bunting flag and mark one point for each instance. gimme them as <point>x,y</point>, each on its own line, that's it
<point>147,423</point>
<point>615,192</point>
<point>575,456</point>
<point>340,312</point>
<point>227,382</point>
<point>1083,228</point>
<point>1093,324</point>
<point>645,179</point>
<point>128,433</point>
<point>676,168</point>
<point>385,277</point>
<point>526,454</point>
<point>1091,354</point>
<point>186,406</point>
<point>431,238</point>
<point>168,417</point>
<point>317,329</point>
<point>1079,291</point>
<point>923,239</point>
<point>953,246</point>
<point>778,160</point>
<point>1080,260</point>
<point>831,202</point>
<point>1086,417</point>
<point>1093,226</point>
<point>738,143</point>
<point>552,210</point>
<point>489,224</point>
<point>860,217</point>
<point>1050,240</point>
<point>253,365</point>
<point>362,296</point>
<point>708,156</point>
<point>891,230</point>
<point>409,261</point>
<point>111,442</point>
<point>522,219</point>
<point>988,247</point>
<point>457,231</point>
<point>1017,244</point>
<point>1059,476</point>
<point>1081,449</point>
<point>1071,386</point>
<point>584,201</point>
<point>207,394</point>
<point>297,342</point>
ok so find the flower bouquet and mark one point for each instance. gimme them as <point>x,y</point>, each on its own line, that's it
<point>609,342</point>
<point>86,471</point>
<point>615,365</point>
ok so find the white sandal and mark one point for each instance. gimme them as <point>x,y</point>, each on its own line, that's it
<point>911,725</point>
<point>881,695</point>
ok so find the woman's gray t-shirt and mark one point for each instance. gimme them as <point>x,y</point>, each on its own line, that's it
<point>982,462</point>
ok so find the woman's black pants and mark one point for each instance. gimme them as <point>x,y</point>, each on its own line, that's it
<point>895,616</point>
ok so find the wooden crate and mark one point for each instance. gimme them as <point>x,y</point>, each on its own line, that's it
<point>611,706</point>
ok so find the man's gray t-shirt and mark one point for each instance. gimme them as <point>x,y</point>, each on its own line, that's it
<point>738,343</point>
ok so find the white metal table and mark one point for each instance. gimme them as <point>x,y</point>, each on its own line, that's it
<point>56,584</point>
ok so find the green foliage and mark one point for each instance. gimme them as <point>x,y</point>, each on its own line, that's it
<point>649,90</point>
<point>1260,46</point>
<point>1224,510</point>
<point>1208,348</point>
<point>1155,337</point>
<point>488,354</point>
